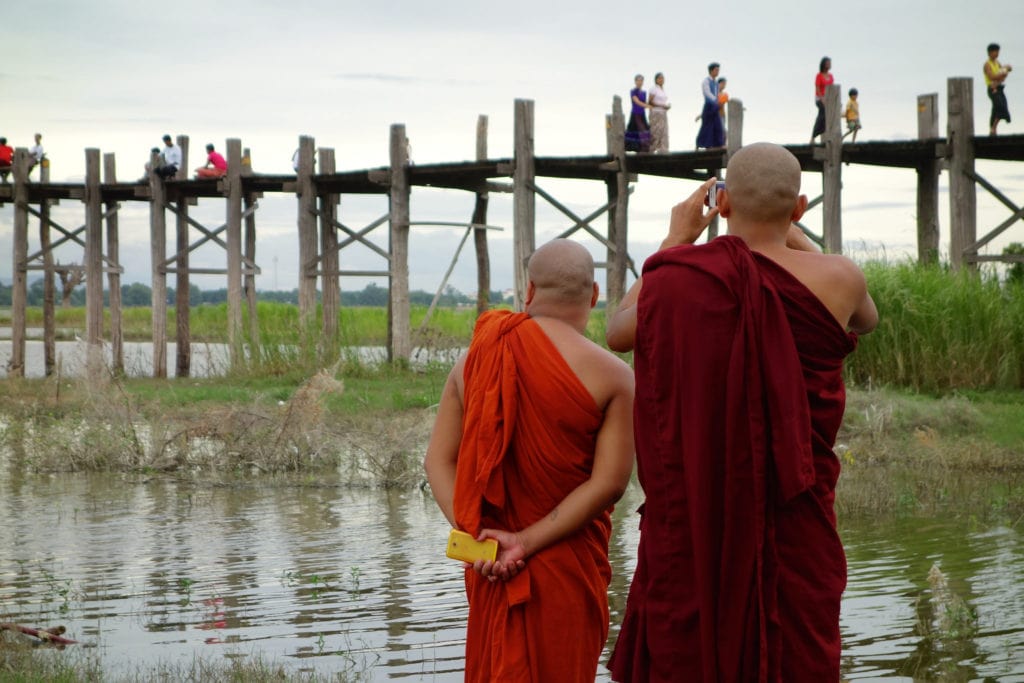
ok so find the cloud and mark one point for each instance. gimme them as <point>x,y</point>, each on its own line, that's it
<point>404,80</point>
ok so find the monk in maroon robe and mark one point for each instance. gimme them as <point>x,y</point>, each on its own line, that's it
<point>532,445</point>
<point>738,349</point>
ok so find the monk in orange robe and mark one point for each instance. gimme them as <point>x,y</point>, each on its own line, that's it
<point>532,446</point>
<point>738,347</point>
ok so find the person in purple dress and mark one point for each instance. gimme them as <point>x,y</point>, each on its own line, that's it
<point>638,133</point>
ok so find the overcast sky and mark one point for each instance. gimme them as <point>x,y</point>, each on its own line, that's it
<point>118,74</point>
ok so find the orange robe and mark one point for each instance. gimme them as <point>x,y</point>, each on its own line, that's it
<point>529,432</point>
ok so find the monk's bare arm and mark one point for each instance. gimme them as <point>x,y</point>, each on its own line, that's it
<point>443,449</point>
<point>686,224</point>
<point>620,334</point>
<point>613,465</point>
<point>864,318</point>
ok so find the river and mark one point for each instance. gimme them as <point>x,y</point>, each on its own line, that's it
<point>332,579</point>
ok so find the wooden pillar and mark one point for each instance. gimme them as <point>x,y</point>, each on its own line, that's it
<point>307,232</point>
<point>483,258</point>
<point>618,192</point>
<point>49,286</point>
<point>399,336</point>
<point>158,253</point>
<point>963,200</point>
<point>182,281</point>
<point>928,182</point>
<point>233,180</point>
<point>523,198</point>
<point>114,273</point>
<point>831,173</point>
<point>93,264</point>
<point>734,126</point>
<point>249,202</point>
<point>19,274</point>
<point>329,288</point>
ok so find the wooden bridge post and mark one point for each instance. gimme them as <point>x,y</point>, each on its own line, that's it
<point>49,286</point>
<point>249,202</point>
<point>831,173</point>
<point>233,180</point>
<point>963,200</point>
<point>19,272</point>
<point>182,281</point>
<point>618,192</point>
<point>158,253</point>
<point>93,264</point>
<point>483,258</point>
<point>399,335</point>
<point>928,182</point>
<point>113,273</point>
<point>734,126</point>
<point>523,198</point>
<point>307,232</point>
<point>330,292</point>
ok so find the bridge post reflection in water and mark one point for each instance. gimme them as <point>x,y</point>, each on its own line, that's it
<point>330,579</point>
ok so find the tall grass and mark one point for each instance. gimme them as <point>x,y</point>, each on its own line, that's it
<point>941,330</point>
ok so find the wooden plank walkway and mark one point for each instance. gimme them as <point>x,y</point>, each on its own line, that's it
<point>473,175</point>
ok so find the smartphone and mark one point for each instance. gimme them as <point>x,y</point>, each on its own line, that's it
<point>462,546</point>
<point>713,193</point>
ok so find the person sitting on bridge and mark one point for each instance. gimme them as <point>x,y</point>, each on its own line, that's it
<point>171,158</point>
<point>215,166</point>
<point>6,158</point>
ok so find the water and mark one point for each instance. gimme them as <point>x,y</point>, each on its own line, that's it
<point>330,579</point>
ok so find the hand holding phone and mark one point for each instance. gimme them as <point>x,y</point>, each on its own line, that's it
<point>462,546</point>
<point>712,200</point>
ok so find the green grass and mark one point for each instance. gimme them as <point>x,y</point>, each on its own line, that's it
<point>941,331</point>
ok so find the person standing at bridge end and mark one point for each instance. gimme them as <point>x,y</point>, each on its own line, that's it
<point>995,74</point>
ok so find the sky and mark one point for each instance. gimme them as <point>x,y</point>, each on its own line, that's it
<point>118,74</point>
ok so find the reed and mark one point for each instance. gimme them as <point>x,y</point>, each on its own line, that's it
<point>941,330</point>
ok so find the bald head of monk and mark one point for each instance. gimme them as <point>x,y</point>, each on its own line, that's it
<point>561,279</point>
<point>763,185</point>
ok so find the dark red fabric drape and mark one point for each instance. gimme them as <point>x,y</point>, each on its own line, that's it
<point>529,430</point>
<point>739,396</point>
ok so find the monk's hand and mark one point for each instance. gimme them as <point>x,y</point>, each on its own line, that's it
<point>688,219</point>
<point>511,555</point>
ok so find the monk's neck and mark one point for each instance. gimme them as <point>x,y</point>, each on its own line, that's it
<point>576,319</point>
<point>761,237</point>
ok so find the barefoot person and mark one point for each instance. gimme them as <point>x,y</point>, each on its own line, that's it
<point>738,348</point>
<point>532,446</point>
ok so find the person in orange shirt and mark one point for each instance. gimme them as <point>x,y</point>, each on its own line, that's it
<point>532,446</point>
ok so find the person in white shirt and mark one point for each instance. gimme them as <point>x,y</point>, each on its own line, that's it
<point>172,159</point>
<point>35,152</point>
<point>659,114</point>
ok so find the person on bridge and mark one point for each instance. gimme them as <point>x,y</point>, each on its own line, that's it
<point>532,446</point>
<point>659,114</point>
<point>6,158</point>
<point>215,166</point>
<point>821,83</point>
<point>995,75</point>
<point>36,155</point>
<point>712,132</point>
<point>638,132</point>
<point>171,157</point>
<point>738,347</point>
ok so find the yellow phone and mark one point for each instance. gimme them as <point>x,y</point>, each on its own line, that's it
<point>462,546</point>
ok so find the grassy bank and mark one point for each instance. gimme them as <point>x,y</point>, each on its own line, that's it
<point>901,451</point>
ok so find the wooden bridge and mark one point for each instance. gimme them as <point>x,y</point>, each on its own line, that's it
<point>321,235</point>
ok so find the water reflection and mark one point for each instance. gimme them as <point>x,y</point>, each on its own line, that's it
<point>329,579</point>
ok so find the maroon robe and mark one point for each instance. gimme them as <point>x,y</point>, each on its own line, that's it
<point>739,396</point>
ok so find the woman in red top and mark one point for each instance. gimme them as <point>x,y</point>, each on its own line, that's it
<point>821,81</point>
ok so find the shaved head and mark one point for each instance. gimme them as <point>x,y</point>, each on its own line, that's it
<point>763,182</point>
<point>563,272</point>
